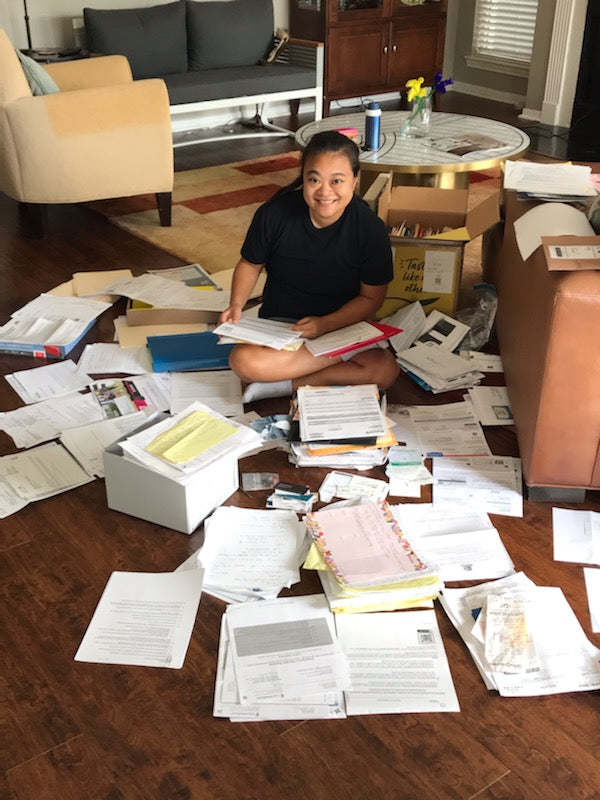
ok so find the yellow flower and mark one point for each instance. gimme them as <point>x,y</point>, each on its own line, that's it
<point>415,89</point>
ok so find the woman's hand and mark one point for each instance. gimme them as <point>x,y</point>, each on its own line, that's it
<point>232,313</point>
<point>311,327</point>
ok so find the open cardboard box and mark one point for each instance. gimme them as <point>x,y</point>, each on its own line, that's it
<point>429,269</point>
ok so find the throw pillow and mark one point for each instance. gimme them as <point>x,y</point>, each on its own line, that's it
<point>37,77</point>
<point>153,39</point>
<point>235,33</point>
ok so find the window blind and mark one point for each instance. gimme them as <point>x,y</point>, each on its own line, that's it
<point>504,29</point>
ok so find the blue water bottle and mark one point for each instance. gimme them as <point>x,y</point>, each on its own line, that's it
<point>372,126</point>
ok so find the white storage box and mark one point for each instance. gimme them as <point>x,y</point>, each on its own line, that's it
<point>137,490</point>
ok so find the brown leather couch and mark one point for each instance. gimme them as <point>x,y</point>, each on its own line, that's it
<point>548,328</point>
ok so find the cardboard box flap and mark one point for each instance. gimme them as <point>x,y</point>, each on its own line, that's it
<point>571,252</point>
<point>477,220</point>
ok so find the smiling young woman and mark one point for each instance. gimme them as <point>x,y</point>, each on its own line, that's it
<point>328,262</point>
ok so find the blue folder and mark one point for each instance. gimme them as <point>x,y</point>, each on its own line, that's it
<point>188,351</point>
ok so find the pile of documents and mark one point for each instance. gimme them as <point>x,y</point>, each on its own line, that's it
<point>366,562</point>
<point>493,484</point>
<point>524,639</point>
<point>437,369</point>
<point>280,659</point>
<point>339,426</point>
<point>180,445</point>
<point>291,659</point>
<point>406,472</point>
<point>569,183</point>
<point>251,554</point>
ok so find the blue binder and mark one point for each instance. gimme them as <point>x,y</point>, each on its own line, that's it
<point>188,351</point>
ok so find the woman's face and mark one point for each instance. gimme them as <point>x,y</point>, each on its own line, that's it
<point>328,186</point>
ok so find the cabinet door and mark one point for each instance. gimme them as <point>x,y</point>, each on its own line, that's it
<point>356,59</point>
<point>415,51</point>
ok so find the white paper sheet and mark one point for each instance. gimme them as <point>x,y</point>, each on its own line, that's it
<point>221,390</point>
<point>105,358</point>
<point>166,293</point>
<point>492,484</point>
<point>576,535</point>
<point>42,472</point>
<point>592,586</point>
<point>143,619</point>
<point>329,413</point>
<point>285,648</point>
<point>464,544</point>
<point>88,442</point>
<point>227,702</point>
<point>492,405</point>
<point>252,549</point>
<point>40,422</point>
<point>51,380</point>
<point>397,663</point>
<point>411,320</point>
<point>266,332</point>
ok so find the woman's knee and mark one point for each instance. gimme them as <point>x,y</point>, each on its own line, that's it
<point>379,367</point>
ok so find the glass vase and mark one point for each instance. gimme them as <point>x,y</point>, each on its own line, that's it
<point>418,122</point>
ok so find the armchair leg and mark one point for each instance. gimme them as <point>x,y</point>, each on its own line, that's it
<point>163,201</point>
<point>34,219</point>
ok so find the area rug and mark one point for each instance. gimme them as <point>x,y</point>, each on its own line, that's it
<point>213,206</point>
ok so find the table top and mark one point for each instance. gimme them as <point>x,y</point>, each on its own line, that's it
<point>430,154</point>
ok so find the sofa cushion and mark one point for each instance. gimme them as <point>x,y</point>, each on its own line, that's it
<point>234,33</point>
<point>217,84</point>
<point>153,39</point>
<point>38,79</point>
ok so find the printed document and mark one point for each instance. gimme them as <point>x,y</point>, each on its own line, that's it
<point>40,422</point>
<point>462,543</point>
<point>221,390</point>
<point>285,648</point>
<point>592,585</point>
<point>340,413</point>
<point>576,536</point>
<point>106,358</point>
<point>397,663</point>
<point>88,442</point>
<point>167,293</point>
<point>42,472</point>
<point>492,484</point>
<point>143,619</point>
<point>266,332</point>
<point>327,705</point>
<point>51,380</point>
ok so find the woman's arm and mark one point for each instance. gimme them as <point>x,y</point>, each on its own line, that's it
<point>244,280</point>
<point>361,307</point>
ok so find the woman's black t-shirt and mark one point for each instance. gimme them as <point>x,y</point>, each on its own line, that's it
<point>314,271</point>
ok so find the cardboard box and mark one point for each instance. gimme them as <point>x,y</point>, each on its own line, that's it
<point>142,314</point>
<point>139,491</point>
<point>429,269</point>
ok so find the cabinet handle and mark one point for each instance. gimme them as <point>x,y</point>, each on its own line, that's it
<point>394,48</point>
<point>385,49</point>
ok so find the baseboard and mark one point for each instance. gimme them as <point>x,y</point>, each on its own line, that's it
<point>517,100</point>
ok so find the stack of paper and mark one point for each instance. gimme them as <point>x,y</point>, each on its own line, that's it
<point>180,445</point>
<point>265,332</point>
<point>49,326</point>
<point>251,554</point>
<point>436,369</point>
<point>280,659</point>
<point>365,561</point>
<point>524,639</point>
<point>352,337</point>
<point>406,472</point>
<point>565,182</point>
<point>339,426</point>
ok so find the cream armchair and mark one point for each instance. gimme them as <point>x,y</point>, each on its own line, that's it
<point>102,135</point>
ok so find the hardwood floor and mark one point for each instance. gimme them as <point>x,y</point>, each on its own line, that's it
<point>75,731</point>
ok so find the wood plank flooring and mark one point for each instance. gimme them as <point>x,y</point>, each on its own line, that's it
<point>74,731</point>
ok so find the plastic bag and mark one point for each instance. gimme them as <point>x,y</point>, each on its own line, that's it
<point>479,317</point>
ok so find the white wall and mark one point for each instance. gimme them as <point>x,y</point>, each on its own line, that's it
<point>51,20</point>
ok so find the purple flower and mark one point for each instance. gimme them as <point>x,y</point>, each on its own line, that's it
<point>439,84</point>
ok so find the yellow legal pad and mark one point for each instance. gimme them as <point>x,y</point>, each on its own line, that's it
<point>192,436</point>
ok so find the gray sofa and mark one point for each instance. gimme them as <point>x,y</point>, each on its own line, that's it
<point>211,56</point>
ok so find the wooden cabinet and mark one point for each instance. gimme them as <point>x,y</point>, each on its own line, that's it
<point>372,46</point>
